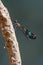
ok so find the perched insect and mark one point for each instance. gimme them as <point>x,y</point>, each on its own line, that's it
<point>28,34</point>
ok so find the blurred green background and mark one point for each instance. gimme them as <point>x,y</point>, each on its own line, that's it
<point>30,14</point>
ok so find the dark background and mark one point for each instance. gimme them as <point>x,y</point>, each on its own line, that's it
<point>30,14</point>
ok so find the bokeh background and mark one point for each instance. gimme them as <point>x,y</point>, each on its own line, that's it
<point>30,14</point>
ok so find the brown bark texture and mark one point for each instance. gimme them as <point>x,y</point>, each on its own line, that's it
<point>9,35</point>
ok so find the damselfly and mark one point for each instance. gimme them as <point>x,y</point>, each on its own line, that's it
<point>28,34</point>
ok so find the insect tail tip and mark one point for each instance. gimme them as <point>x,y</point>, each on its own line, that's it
<point>15,21</point>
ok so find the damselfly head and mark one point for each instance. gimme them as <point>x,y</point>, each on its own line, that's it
<point>33,36</point>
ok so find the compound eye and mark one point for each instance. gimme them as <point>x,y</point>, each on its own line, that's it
<point>34,36</point>
<point>30,33</point>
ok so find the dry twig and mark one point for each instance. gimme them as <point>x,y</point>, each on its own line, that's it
<point>8,33</point>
